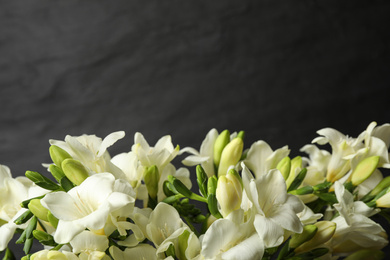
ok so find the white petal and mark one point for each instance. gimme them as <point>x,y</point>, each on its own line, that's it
<point>189,150</point>
<point>140,139</point>
<point>257,155</point>
<point>140,252</point>
<point>207,146</point>
<point>164,142</point>
<point>110,140</point>
<point>6,233</point>
<point>219,237</point>
<point>383,132</point>
<point>250,248</point>
<point>193,160</point>
<point>62,206</point>
<point>89,241</point>
<point>66,231</point>
<point>269,231</point>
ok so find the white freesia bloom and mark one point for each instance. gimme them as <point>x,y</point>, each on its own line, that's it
<point>88,205</point>
<point>160,155</point>
<point>261,158</point>
<point>164,227</point>
<point>12,192</point>
<point>343,148</point>
<point>354,229</point>
<point>232,238</point>
<point>275,210</point>
<point>92,152</point>
<point>128,163</point>
<point>205,156</point>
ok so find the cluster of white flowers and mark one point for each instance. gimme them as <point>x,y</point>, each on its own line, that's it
<point>258,203</point>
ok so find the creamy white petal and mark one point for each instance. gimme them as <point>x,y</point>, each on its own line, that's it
<point>140,252</point>
<point>89,241</point>
<point>109,140</point>
<point>193,160</point>
<point>250,248</point>
<point>256,157</point>
<point>6,233</point>
<point>270,232</point>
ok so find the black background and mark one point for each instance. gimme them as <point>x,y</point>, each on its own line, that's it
<point>280,70</point>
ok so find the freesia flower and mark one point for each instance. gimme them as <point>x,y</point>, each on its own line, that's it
<point>92,152</point>
<point>275,210</point>
<point>261,158</point>
<point>160,155</point>
<point>164,227</point>
<point>12,192</point>
<point>88,205</point>
<point>354,229</point>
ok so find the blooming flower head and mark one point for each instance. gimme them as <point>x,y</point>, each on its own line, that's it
<point>12,192</point>
<point>261,158</point>
<point>88,206</point>
<point>92,152</point>
<point>275,210</point>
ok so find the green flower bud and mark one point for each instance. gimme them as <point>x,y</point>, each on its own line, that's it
<point>284,166</point>
<point>298,239</point>
<point>231,154</point>
<point>219,144</point>
<point>53,220</point>
<point>364,169</point>
<point>383,184</point>
<point>296,163</point>
<point>151,178</point>
<point>74,171</point>
<point>325,231</point>
<point>41,180</point>
<point>38,210</point>
<point>57,172</point>
<point>201,178</point>
<point>58,155</point>
<point>229,192</point>
<point>44,238</point>
<point>365,254</point>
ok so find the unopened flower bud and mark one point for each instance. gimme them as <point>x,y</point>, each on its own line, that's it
<point>296,166</point>
<point>364,169</point>
<point>52,219</point>
<point>74,170</point>
<point>384,201</point>
<point>298,239</point>
<point>58,155</point>
<point>219,144</point>
<point>38,210</point>
<point>229,192</point>
<point>383,184</point>
<point>284,166</point>
<point>325,231</point>
<point>151,179</point>
<point>231,154</point>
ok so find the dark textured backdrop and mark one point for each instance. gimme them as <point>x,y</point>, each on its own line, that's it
<point>278,69</point>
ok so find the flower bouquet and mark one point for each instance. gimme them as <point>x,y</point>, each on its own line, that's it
<point>255,203</point>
